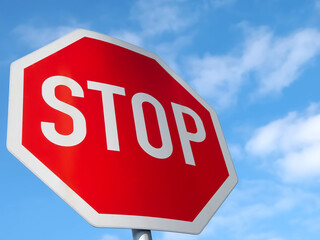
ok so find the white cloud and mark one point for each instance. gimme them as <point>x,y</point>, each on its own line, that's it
<point>284,58</point>
<point>302,164</point>
<point>273,62</point>
<point>236,151</point>
<point>317,5</point>
<point>294,141</point>
<point>252,209</point>
<point>218,78</point>
<point>160,16</point>
<point>109,237</point>
<point>36,37</point>
<point>252,204</point>
<point>169,51</point>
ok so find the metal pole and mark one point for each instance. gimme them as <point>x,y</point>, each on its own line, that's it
<point>138,234</point>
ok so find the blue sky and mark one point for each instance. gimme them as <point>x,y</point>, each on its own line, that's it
<point>255,62</point>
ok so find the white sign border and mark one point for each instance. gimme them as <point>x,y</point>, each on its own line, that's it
<point>14,145</point>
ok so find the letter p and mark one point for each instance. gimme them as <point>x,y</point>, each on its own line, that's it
<point>185,136</point>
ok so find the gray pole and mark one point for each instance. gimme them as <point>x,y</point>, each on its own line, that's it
<point>138,234</point>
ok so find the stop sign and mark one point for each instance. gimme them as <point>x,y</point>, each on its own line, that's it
<point>118,135</point>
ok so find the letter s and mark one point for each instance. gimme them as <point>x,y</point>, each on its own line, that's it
<point>79,122</point>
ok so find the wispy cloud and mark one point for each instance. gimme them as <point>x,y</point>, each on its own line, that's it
<point>284,59</point>
<point>157,17</point>
<point>161,16</point>
<point>218,78</point>
<point>294,141</point>
<point>109,237</point>
<point>246,209</point>
<point>251,210</point>
<point>317,5</point>
<point>36,36</point>
<point>169,51</point>
<point>221,3</point>
<point>170,19</point>
<point>254,207</point>
<point>271,63</point>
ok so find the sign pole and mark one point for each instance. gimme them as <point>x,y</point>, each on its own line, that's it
<point>139,234</point>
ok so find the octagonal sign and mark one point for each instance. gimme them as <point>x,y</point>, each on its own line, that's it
<point>118,135</point>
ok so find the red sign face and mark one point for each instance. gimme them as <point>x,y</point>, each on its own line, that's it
<point>119,136</point>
